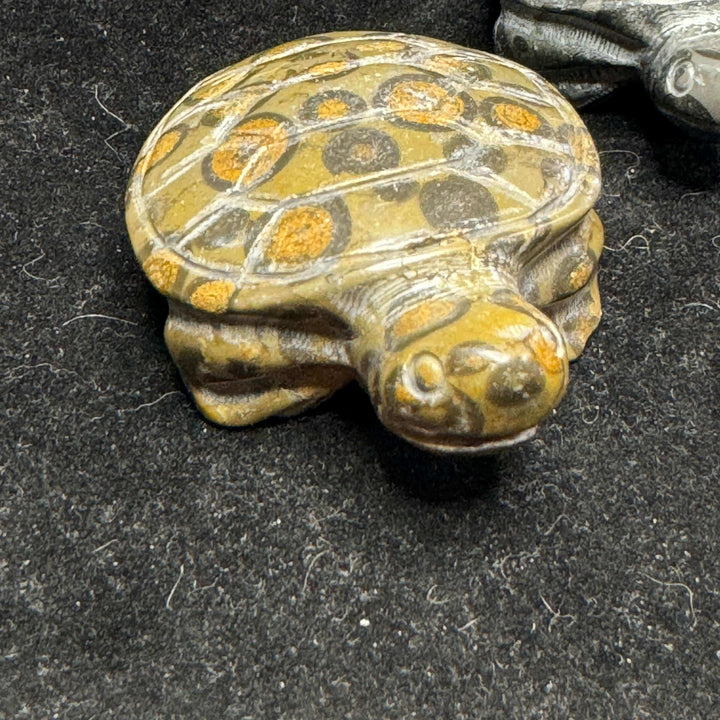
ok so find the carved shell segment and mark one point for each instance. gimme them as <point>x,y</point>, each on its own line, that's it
<point>328,161</point>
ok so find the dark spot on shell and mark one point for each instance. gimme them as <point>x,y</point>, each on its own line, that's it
<point>476,72</point>
<point>473,157</point>
<point>352,104</point>
<point>361,150</point>
<point>233,227</point>
<point>455,201</point>
<point>545,131</point>
<point>212,117</point>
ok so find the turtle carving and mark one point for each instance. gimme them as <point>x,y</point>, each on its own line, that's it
<point>591,47</point>
<point>381,207</point>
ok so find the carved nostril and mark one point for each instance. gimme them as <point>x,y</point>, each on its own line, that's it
<point>515,382</point>
<point>427,372</point>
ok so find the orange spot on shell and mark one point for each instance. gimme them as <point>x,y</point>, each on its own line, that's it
<point>213,88</point>
<point>332,108</point>
<point>328,68</point>
<point>303,233</point>
<point>251,151</point>
<point>162,268</point>
<point>380,46</point>
<point>213,296</point>
<point>446,64</point>
<point>164,146</point>
<point>424,103</point>
<point>516,117</point>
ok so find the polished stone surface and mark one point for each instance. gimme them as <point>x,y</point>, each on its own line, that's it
<point>379,207</point>
<point>590,48</point>
<point>155,565</point>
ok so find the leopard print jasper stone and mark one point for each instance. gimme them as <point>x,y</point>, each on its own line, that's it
<point>380,207</point>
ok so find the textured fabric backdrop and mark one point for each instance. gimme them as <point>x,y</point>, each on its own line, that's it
<point>154,565</point>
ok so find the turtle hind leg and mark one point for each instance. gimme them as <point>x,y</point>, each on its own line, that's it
<point>577,316</point>
<point>252,400</point>
<point>584,92</point>
<point>586,85</point>
<point>240,374</point>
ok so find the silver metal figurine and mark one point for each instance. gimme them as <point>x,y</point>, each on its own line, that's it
<point>591,47</point>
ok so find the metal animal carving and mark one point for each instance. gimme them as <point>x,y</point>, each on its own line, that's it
<point>590,47</point>
<point>380,207</point>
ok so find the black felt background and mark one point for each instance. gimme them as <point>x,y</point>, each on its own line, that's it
<point>153,565</point>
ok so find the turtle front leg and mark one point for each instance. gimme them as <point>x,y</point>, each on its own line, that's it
<point>585,61</point>
<point>562,282</point>
<point>241,373</point>
<point>577,316</point>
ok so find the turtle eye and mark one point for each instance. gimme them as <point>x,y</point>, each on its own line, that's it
<point>426,372</point>
<point>681,78</point>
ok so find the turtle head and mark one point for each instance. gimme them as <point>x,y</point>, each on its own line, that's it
<point>685,80</point>
<point>479,379</point>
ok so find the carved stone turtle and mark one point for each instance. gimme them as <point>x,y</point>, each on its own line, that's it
<point>381,207</point>
<point>591,47</point>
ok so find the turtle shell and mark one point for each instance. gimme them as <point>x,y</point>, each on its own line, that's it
<point>332,160</point>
